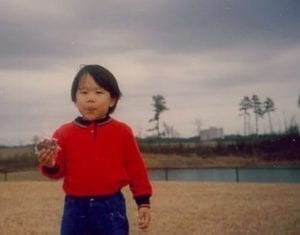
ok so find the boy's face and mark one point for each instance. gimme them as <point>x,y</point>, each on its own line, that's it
<point>92,101</point>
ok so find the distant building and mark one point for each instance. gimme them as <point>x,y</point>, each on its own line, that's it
<point>212,133</point>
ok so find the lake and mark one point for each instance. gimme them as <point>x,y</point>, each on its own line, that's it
<point>277,174</point>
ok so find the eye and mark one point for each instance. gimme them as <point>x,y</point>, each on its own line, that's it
<point>99,92</point>
<point>83,92</point>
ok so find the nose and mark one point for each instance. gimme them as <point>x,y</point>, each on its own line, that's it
<point>90,98</point>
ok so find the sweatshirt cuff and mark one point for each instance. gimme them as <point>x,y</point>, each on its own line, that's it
<point>50,170</point>
<point>144,199</point>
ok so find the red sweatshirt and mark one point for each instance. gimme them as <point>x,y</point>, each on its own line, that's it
<point>99,158</point>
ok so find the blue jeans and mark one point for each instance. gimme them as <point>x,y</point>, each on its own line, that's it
<point>95,216</point>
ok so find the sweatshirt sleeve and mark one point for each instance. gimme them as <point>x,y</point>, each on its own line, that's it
<point>58,170</point>
<point>139,180</point>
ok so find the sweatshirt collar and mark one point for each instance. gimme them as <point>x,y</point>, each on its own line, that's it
<point>80,121</point>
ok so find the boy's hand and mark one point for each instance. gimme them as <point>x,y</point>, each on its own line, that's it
<point>46,150</point>
<point>46,157</point>
<point>144,217</point>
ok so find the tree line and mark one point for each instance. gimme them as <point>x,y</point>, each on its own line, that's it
<point>259,109</point>
<point>271,146</point>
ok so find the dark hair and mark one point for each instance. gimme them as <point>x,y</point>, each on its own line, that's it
<point>103,77</point>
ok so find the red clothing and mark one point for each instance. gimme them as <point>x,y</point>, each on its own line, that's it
<point>99,159</point>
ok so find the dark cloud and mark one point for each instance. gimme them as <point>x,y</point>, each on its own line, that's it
<point>38,33</point>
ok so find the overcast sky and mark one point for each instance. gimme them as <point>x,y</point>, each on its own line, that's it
<point>203,56</point>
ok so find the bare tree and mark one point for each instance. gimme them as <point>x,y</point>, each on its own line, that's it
<point>35,139</point>
<point>170,131</point>
<point>198,124</point>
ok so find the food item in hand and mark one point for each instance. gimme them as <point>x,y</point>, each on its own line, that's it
<point>47,143</point>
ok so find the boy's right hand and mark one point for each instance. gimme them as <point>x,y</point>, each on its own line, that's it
<point>46,150</point>
<point>46,157</point>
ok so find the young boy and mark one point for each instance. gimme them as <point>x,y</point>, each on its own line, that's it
<point>97,156</point>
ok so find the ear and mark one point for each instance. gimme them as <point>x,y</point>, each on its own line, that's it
<point>113,102</point>
<point>75,103</point>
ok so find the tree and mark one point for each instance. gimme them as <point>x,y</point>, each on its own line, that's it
<point>246,104</point>
<point>169,131</point>
<point>268,108</point>
<point>159,105</point>
<point>299,101</point>
<point>198,124</point>
<point>257,111</point>
<point>35,139</point>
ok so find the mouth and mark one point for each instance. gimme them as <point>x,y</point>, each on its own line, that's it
<point>90,109</point>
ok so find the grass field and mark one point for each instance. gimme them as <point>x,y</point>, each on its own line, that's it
<point>35,207</point>
<point>177,161</point>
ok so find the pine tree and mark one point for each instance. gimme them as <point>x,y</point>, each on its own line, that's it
<point>268,108</point>
<point>159,105</point>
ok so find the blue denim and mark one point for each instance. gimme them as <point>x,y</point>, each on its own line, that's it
<point>95,216</point>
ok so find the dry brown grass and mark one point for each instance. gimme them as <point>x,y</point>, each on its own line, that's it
<point>176,161</point>
<point>177,208</point>
<point>6,152</point>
